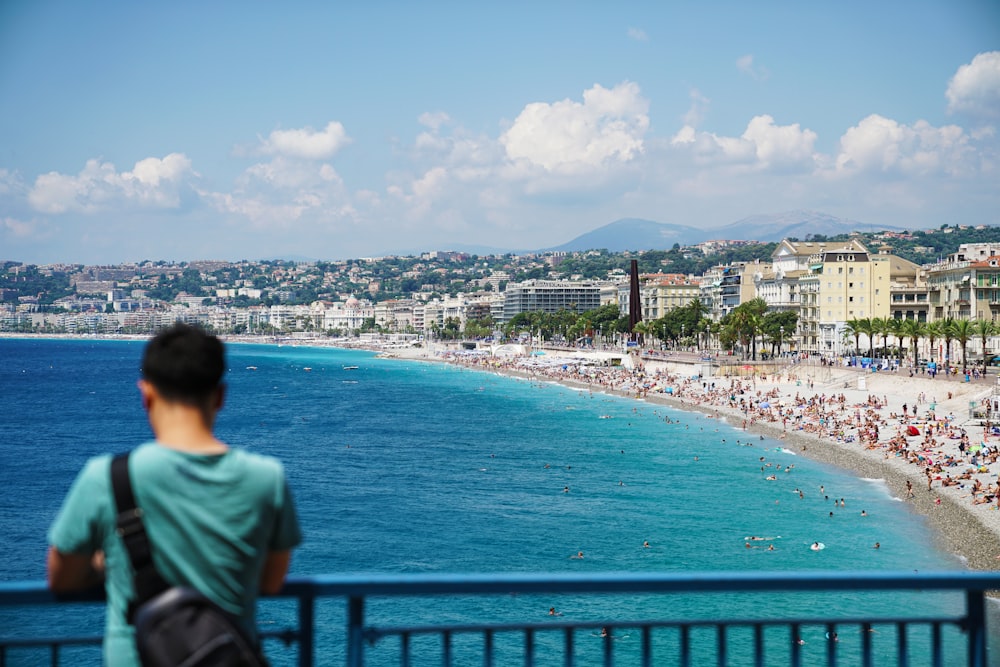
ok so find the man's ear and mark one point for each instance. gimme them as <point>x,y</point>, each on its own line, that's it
<point>146,391</point>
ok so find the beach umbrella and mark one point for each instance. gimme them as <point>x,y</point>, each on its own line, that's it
<point>765,404</point>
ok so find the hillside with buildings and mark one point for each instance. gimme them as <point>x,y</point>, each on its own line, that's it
<point>822,285</point>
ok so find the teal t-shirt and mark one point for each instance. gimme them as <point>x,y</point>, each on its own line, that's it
<point>211,519</point>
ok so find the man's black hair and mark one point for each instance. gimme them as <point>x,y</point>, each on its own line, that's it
<point>184,363</point>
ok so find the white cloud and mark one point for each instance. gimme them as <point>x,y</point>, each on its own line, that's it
<point>763,145</point>
<point>153,182</point>
<point>882,145</point>
<point>285,191</point>
<point>746,65</point>
<point>638,35</point>
<point>699,107</point>
<point>975,88</point>
<point>434,120</point>
<point>17,228</point>
<point>11,183</point>
<point>569,136</point>
<point>306,143</point>
<point>776,145</point>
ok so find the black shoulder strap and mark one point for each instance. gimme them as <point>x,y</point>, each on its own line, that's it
<point>129,526</point>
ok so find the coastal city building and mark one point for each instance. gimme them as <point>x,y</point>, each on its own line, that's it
<point>552,296</point>
<point>827,284</point>
<point>964,285</point>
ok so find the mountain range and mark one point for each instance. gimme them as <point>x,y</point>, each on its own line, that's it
<point>639,234</point>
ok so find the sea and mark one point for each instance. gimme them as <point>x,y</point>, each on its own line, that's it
<point>408,467</point>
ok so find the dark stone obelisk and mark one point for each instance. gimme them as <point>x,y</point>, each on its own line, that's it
<point>634,304</point>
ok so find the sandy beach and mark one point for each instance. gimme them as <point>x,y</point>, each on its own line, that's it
<point>949,472</point>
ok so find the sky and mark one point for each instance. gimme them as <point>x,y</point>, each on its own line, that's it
<point>333,130</point>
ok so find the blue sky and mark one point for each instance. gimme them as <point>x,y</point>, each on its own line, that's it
<point>250,130</point>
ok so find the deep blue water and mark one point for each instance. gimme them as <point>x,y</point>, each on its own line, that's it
<point>402,467</point>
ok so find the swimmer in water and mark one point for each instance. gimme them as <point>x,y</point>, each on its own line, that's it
<point>578,556</point>
<point>645,544</point>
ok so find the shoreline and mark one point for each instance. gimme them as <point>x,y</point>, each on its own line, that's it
<point>972,532</point>
<point>958,526</point>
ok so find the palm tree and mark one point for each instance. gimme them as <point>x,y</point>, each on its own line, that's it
<point>868,330</point>
<point>912,329</point>
<point>985,329</point>
<point>948,332</point>
<point>879,328</point>
<point>934,331</point>
<point>894,328</point>
<point>853,328</point>
<point>963,330</point>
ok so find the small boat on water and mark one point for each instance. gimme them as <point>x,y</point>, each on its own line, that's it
<point>350,368</point>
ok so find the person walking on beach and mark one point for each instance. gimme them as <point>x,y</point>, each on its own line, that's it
<point>220,520</point>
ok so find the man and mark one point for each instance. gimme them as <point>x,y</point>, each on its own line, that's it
<point>220,520</point>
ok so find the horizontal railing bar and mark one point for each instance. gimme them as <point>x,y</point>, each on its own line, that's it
<point>35,592</point>
<point>377,632</point>
<point>616,582</point>
<point>36,642</point>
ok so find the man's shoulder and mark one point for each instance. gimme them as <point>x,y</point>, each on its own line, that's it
<point>97,467</point>
<point>261,464</point>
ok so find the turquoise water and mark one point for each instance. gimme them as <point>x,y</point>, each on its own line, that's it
<point>403,467</point>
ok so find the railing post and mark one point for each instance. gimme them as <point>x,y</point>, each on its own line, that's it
<point>307,629</point>
<point>355,631</point>
<point>975,610</point>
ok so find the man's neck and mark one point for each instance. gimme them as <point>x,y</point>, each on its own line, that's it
<point>184,428</point>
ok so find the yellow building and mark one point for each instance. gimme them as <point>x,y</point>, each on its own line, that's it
<point>665,292</point>
<point>855,284</point>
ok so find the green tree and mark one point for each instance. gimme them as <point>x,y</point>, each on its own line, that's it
<point>948,333</point>
<point>985,329</point>
<point>914,330</point>
<point>963,330</point>
<point>747,321</point>
<point>854,328</point>
<point>934,331</point>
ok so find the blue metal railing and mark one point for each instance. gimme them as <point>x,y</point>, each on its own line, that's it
<point>880,640</point>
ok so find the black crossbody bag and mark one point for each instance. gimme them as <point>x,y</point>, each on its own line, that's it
<point>175,626</point>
